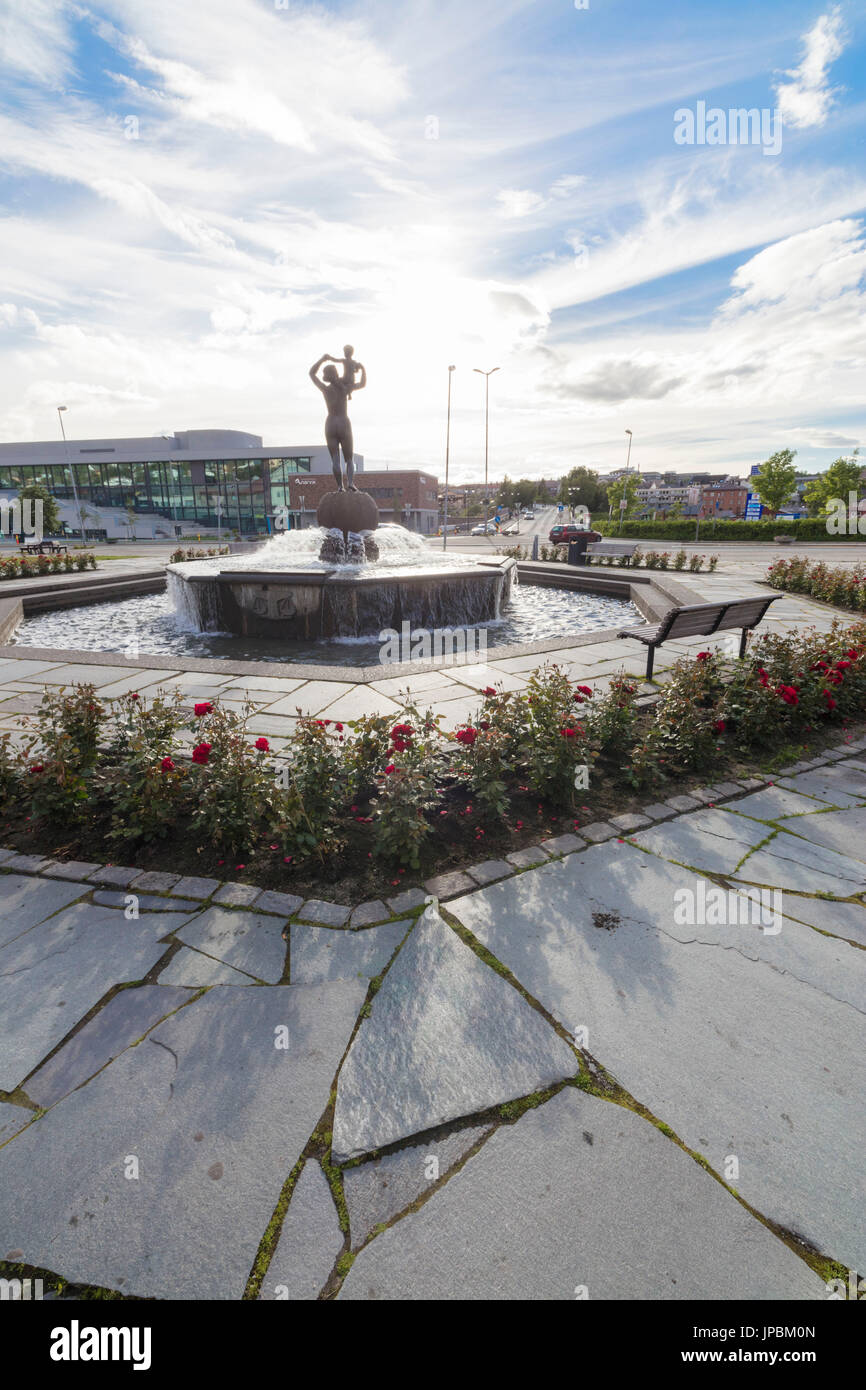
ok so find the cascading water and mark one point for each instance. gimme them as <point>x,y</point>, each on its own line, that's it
<point>283,589</point>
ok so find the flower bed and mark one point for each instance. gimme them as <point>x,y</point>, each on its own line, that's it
<point>180,554</point>
<point>33,566</point>
<point>640,559</point>
<point>390,795</point>
<point>831,583</point>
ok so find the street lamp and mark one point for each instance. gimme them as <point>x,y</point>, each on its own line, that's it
<point>447,457</point>
<point>623,506</point>
<point>60,413</point>
<point>487,376</point>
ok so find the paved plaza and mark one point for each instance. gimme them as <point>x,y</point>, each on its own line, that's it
<point>575,1080</point>
<point>558,1082</point>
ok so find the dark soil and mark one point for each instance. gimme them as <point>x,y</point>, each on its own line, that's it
<point>460,836</point>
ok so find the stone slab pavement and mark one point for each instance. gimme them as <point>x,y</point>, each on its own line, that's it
<point>636,1069</point>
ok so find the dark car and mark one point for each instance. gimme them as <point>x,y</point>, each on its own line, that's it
<point>570,531</point>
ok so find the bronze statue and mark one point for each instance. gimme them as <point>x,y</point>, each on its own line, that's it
<point>337,391</point>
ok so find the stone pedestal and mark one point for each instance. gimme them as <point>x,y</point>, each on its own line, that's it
<point>348,511</point>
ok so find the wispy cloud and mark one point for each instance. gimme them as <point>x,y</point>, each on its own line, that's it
<point>806,98</point>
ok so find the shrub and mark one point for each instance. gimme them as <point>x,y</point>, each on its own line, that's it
<point>312,785</point>
<point>686,726</point>
<point>680,560</point>
<point>613,721</point>
<point>406,791</point>
<point>59,758</point>
<point>235,788</point>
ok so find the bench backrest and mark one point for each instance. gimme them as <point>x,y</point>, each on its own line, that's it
<point>701,619</point>
<point>747,612</point>
<point>611,548</point>
<point>695,620</point>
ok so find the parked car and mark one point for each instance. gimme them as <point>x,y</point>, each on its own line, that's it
<point>512,530</point>
<point>482,530</point>
<point>567,531</point>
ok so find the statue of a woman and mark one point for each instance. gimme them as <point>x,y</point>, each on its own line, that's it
<point>338,428</point>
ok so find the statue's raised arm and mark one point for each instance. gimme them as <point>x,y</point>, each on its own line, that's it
<point>325,357</point>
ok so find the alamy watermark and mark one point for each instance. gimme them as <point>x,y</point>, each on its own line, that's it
<point>737,126</point>
<point>445,644</point>
<point>19,518</point>
<point>707,905</point>
<point>844,517</point>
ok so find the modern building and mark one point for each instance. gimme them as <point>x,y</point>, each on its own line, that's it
<point>167,484</point>
<point>198,481</point>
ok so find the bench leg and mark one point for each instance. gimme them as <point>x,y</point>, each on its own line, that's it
<point>650,658</point>
<point>743,639</point>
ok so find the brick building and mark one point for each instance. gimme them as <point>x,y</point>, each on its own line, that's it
<point>407,497</point>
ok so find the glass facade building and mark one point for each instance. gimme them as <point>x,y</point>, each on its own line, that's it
<point>241,493</point>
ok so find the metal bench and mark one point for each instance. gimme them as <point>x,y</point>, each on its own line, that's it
<point>700,620</point>
<point>626,548</point>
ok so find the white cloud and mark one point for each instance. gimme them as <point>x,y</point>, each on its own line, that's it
<point>35,40</point>
<point>806,99</point>
<point>518,202</point>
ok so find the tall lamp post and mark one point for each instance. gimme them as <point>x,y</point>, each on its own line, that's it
<point>487,376</point>
<point>623,506</point>
<point>447,458</point>
<point>61,409</point>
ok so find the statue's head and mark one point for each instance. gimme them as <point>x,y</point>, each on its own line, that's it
<point>348,350</point>
<point>329,373</point>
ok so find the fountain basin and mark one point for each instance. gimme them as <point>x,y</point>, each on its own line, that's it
<point>307,604</point>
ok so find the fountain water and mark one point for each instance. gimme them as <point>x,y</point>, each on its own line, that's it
<point>287,591</point>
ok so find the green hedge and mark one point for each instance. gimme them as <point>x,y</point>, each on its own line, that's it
<point>682,529</point>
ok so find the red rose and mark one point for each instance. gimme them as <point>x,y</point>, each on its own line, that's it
<point>585,690</point>
<point>167,765</point>
<point>263,745</point>
<point>133,696</point>
<point>568,733</point>
<point>703,656</point>
<point>201,753</point>
<point>37,767</point>
<point>204,707</point>
<point>467,735</point>
<point>720,726</point>
<point>389,769</point>
<point>488,690</point>
<point>831,703</point>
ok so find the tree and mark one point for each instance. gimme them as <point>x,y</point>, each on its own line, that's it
<point>626,488</point>
<point>506,493</point>
<point>582,487</point>
<point>840,479</point>
<point>50,511</point>
<point>776,479</point>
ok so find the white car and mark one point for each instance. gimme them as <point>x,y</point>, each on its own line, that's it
<point>528,516</point>
<point>482,530</point>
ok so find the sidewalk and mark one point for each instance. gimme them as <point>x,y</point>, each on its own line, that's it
<point>579,1078</point>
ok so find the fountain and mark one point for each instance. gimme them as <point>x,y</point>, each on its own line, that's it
<point>338,579</point>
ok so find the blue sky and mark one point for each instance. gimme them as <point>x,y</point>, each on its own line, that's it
<point>200,199</point>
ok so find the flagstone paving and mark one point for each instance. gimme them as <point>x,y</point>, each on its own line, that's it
<point>552,1206</point>
<point>471,1092</point>
<point>446,1037</point>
